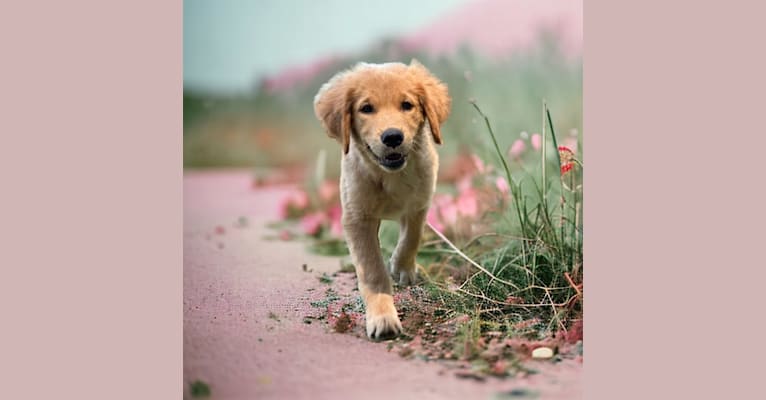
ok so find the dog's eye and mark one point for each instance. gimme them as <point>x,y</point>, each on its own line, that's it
<point>407,106</point>
<point>366,109</point>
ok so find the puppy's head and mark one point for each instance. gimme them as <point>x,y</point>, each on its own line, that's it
<point>384,108</point>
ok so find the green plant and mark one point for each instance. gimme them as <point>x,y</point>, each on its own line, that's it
<point>530,266</point>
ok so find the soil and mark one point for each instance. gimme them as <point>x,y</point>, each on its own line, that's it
<point>251,331</point>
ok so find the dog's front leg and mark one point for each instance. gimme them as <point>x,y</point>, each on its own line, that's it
<point>374,282</point>
<point>403,265</point>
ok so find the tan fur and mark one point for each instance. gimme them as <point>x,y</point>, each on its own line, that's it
<point>369,191</point>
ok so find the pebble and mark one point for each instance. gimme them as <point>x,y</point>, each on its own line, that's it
<point>542,352</point>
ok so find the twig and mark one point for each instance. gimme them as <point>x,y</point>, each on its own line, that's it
<point>480,296</point>
<point>465,257</point>
<point>544,148</point>
<point>571,282</point>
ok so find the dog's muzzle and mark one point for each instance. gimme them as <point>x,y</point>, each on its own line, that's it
<point>392,160</point>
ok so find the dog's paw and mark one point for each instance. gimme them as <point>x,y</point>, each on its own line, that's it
<point>405,276</point>
<point>382,319</point>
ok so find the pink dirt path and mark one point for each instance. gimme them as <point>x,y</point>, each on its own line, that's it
<point>235,279</point>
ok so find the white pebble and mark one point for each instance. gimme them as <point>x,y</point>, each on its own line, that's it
<point>542,352</point>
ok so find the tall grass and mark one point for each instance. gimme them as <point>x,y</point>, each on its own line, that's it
<point>531,265</point>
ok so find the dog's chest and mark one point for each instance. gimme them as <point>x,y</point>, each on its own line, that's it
<point>406,193</point>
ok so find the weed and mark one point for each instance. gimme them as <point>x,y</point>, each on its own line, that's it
<point>199,389</point>
<point>326,279</point>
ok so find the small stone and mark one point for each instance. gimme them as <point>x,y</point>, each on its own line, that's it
<point>542,353</point>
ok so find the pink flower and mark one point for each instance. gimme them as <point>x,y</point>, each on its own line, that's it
<point>465,183</point>
<point>502,185</point>
<point>517,148</point>
<point>433,218</point>
<point>567,159</point>
<point>300,199</point>
<point>442,199</point>
<point>295,202</point>
<point>468,203</point>
<point>448,213</point>
<point>312,223</point>
<point>336,226</point>
<point>328,190</point>
<point>335,212</point>
<point>537,141</point>
<point>478,163</point>
<point>442,211</point>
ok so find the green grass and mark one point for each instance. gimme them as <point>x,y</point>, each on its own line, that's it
<point>326,279</point>
<point>199,389</point>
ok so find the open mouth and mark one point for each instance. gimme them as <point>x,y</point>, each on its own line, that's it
<point>392,161</point>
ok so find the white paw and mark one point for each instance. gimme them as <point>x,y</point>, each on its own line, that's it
<point>383,326</point>
<point>382,319</point>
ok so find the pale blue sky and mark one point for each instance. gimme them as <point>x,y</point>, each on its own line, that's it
<point>229,44</point>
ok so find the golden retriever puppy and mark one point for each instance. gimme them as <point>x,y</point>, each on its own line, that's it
<point>387,118</point>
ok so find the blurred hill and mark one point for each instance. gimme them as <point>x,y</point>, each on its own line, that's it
<point>496,28</point>
<point>491,28</point>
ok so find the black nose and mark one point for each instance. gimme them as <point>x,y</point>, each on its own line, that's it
<point>392,137</point>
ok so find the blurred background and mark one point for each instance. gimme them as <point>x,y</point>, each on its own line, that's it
<point>251,70</point>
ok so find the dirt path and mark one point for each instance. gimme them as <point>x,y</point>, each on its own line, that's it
<point>245,298</point>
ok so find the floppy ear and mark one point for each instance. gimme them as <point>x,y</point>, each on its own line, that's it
<point>434,98</point>
<point>332,105</point>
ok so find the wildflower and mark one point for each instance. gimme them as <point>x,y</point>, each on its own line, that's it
<point>442,199</point>
<point>464,183</point>
<point>567,159</point>
<point>300,199</point>
<point>467,203</point>
<point>433,218</point>
<point>442,211</point>
<point>294,203</point>
<point>517,148</point>
<point>312,223</point>
<point>537,141</point>
<point>478,163</point>
<point>334,216</point>
<point>336,228</point>
<point>502,185</point>
<point>448,213</point>
<point>328,190</point>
